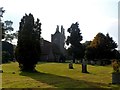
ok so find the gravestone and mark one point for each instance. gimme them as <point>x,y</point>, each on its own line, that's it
<point>70,65</point>
<point>1,71</point>
<point>115,78</point>
<point>84,66</point>
<point>92,62</point>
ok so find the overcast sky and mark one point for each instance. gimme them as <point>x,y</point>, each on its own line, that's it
<point>93,16</point>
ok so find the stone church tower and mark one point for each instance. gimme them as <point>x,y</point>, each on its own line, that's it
<point>58,38</point>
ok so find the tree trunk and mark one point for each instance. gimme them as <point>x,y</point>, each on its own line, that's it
<point>27,68</point>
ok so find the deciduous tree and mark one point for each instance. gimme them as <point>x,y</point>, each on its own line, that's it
<point>102,47</point>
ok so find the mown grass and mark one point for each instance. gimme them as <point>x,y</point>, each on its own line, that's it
<point>57,75</point>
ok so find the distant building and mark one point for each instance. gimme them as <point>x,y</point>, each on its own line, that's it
<point>52,51</point>
<point>58,38</point>
<point>49,51</point>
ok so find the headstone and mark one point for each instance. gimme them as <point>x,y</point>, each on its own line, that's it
<point>13,72</point>
<point>1,71</point>
<point>84,66</point>
<point>115,78</point>
<point>70,66</point>
<point>92,62</point>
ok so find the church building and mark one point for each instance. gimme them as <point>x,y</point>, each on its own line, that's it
<point>58,38</point>
<point>54,50</point>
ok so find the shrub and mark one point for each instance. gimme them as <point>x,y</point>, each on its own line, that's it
<point>115,65</point>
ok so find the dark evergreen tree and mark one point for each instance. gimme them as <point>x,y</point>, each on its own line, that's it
<point>28,46</point>
<point>76,48</point>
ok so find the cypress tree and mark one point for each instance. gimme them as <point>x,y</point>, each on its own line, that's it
<point>28,46</point>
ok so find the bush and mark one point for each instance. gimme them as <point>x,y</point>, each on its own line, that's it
<point>115,65</point>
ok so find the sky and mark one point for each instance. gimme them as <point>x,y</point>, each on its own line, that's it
<point>93,16</point>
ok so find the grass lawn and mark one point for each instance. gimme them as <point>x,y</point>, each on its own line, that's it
<point>57,75</point>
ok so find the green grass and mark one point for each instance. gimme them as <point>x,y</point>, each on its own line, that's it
<point>57,75</point>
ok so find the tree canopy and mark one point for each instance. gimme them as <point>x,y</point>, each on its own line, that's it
<point>101,47</point>
<point>76,48</point>
<point>7,29</point>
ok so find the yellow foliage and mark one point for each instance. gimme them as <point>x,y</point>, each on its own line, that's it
<point>115,65</point>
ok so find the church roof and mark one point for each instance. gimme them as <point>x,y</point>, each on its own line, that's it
<point>47,47</point>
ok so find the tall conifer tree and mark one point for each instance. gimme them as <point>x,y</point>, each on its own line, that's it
<point>74,40</point>
<point>28,45</point>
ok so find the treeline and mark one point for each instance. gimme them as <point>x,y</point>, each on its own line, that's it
<point>102,47</point>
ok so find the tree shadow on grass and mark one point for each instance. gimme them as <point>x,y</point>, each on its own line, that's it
<point>61,81</point>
